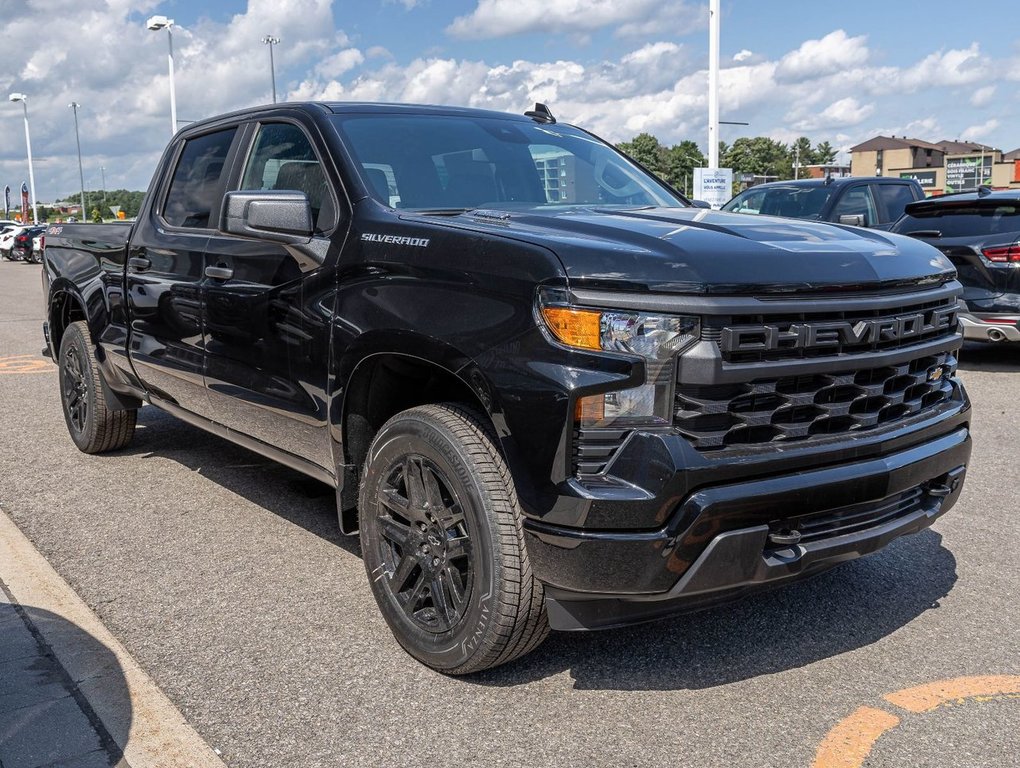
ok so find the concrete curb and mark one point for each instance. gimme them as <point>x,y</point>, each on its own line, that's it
<point>158,736</point>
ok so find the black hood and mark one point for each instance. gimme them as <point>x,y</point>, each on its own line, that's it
<point>695,250</point>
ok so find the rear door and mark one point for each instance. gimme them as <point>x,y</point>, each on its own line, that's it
<point>268,314</point>
<point>165,271</point>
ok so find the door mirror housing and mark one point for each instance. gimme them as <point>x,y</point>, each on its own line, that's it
<point>700,204</point>
<point>853,219</point>
<point>282,216</point>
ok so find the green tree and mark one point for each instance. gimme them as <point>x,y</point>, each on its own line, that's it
<point>824,153</point>
<point>802,154</point>
<point>129,201</point>
<point>647,150</point>
<point>761,156</point>
<point>681,160</point>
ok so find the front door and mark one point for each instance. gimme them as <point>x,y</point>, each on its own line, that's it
<point>165,274</point>
<point>268,314</point>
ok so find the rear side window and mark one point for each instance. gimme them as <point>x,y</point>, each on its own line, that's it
<point>965,221</point>
<point>197,184</point>
<point>895,198</point>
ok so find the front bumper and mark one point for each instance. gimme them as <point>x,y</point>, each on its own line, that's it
<point>724,540</point>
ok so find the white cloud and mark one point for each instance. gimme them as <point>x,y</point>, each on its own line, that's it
<point>839,114</point>
<point>503,18</point>
<point>982,97</point>
<point>957,66</point>
<point>979,132</point>
<point>742,55</point>
<point>814,58</point>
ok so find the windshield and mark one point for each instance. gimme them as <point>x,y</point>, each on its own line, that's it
<point>962,221</point>
<point>802,202</point>
<point>440,162</point>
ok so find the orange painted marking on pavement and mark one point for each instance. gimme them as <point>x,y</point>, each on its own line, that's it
<point>850,742</point>
<point>25,364</point>
<point>925,698</point>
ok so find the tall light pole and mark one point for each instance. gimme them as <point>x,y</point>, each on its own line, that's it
<point>102,172</point>
<point>156,23</point>
<point>713,84</point>
<point>28,143</point>
<point>81,174</point>
<point>271,41</point>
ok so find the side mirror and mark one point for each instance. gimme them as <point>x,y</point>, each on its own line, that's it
<point>853,219</point>
<point>700,204</point>
<point>281,216</point>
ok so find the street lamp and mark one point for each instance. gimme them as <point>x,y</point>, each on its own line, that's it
<point>81,174</point>
<point>271,41</point>
<point>156,23</point>
<point>102,171</point>
<point>28,143</point>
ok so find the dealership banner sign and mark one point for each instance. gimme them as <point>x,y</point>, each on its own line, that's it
<point>966,174</point>
<point>24,201</point>
<point>7,201</point>
<point>925,178</point>
<point>713,185</point>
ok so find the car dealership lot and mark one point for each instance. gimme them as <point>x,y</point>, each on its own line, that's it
<point>225,577</point>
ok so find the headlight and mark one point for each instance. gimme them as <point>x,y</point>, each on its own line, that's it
<point>656,338</point>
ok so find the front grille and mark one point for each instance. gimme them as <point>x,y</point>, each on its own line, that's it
<point>850,519</point>
<point>795,336</point>
<point>798,408</point>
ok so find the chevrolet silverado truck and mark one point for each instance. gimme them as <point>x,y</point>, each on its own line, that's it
<point>549,391</point>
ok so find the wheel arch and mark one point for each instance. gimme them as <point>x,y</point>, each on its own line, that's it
<point>380,383</point>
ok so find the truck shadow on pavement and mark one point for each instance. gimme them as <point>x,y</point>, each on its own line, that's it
<point>841,610</point>
<point>45,718</point>
<point>849,607</point>
<point>283,491</point>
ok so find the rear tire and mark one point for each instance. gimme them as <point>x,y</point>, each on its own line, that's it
<point>443,544</point>
<point>93,426</point>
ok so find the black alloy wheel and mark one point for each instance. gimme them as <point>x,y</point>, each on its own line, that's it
<point>93,424</point>
<point>75,392</point>
<point>425,544</point>
<point>443,542</point>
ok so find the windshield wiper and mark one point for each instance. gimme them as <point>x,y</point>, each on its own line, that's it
<point>926,233</point>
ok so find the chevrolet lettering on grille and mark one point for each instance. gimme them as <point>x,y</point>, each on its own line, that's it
<point>806,335</point>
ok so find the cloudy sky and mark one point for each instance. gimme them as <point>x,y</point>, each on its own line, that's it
<point>840,72</point>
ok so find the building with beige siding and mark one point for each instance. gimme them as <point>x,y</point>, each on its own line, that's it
<point>940,167</point>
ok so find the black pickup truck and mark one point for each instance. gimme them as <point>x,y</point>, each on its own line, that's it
<point>548,390</point>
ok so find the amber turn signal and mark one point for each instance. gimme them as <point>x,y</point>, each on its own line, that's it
<point>574,327</point>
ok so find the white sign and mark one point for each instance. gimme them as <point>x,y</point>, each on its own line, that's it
<point>713,185</point>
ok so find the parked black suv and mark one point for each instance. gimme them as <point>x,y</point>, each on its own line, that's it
<point>860,201</point>
<point>980,233</point>
<point>548,390</point>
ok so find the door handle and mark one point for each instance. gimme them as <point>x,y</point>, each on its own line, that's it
<point>219,273</point>
<point>139,263</point>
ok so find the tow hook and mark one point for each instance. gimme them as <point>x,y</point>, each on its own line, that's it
<point>938,490</point>
<point>784,538</point>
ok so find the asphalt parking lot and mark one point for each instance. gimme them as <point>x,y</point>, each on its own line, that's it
<point>225,577</point>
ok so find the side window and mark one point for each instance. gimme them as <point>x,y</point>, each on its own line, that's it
<point>197,184</point>
<point>283,158</point>
<point>857,201</point>
<point>895,198</point>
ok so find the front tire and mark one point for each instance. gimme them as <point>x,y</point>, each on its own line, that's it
<point>93,426</point>
<point>443,544</point>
